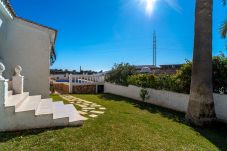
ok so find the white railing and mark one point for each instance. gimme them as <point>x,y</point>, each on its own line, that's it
<point>95,79</point>
<point>86,79</point>
<point>17,83</point>
<point>81,79</point>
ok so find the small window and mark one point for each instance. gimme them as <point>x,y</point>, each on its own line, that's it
<point>0,22</point>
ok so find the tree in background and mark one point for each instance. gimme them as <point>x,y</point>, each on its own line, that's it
<point>220,74</point>
<point>119,73</point>
<point>224,26</point>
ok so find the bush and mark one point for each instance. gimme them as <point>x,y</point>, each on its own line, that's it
<point>144,95</point>
<point>179,82</point>
<point>182,79</point>
<point>220,73</point>
<point>120,73</point>
<point>142,80</point>
<point>165,82</point>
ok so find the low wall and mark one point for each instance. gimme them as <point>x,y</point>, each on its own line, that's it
<point>84,89</point>
<point>61,87</point>
<point>167,99</point>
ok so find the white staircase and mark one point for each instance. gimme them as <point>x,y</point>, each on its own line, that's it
<point>21,111</point>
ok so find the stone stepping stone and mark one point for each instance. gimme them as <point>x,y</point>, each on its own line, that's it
<point>93,115</point>
<point>97,112</point>
<point>85,118</point>
<point>97,105</point>
<point>102,108</point>
<point>80,105</point>
<point>86,104</point>
<point>82,113</point>
<point>88,108</point>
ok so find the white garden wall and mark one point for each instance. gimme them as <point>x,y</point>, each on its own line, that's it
<point>167,99</point>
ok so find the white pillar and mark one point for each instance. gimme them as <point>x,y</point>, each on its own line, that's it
<point>18,81</point>
<point>70,84</point>
<point>3,86</point>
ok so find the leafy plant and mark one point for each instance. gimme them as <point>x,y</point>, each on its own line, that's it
<point>124,74</point>
<point>222,90</point>
<point>142,80</point>
<point>120,73</point>
<point>52,89</point>
<point>144,94</point>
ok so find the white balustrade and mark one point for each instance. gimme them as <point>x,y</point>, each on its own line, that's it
<point>70,84</point>
<point>86,79</point>
<point>3,86</point>
<point>18,81</point>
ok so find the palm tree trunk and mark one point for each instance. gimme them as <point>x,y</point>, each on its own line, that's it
<point>201,105</point>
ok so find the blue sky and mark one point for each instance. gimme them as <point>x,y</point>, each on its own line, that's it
<point>95,34</point>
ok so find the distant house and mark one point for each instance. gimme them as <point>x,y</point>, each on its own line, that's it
<point>28,44</point>
<point>146,68</point>
<point>163,69</point>
<point>170,68</point>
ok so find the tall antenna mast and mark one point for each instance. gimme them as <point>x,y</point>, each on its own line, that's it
<point>154,49</point>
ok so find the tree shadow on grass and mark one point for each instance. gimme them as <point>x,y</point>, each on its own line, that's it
<point>216,134</point>
<point>170,114</point>
<point>6,136</point>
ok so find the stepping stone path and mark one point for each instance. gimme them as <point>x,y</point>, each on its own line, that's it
<point>97,112</point>
<point>93,115</point>
<point>85,108</point>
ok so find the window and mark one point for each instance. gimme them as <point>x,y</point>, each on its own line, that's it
<point>0,22</point>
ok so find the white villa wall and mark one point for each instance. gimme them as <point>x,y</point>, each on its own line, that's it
<point>60,76</point>
<point>27,46</point>
<point>167,99</point>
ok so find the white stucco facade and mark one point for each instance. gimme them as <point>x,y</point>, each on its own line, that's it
<point>29,45</point>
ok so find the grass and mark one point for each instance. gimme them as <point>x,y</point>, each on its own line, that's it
<point>126,125</point>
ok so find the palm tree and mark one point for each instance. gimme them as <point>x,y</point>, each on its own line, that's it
<point>224,26</point>
<point>201,105</point>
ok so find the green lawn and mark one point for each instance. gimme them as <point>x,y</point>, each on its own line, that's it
<point>126,125</point>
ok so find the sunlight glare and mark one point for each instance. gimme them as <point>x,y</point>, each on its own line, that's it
<point>149,5</point>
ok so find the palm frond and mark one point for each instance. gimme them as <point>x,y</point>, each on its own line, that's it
<point>223,29</point>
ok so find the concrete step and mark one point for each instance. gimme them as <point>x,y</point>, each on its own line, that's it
<point>59,110</point>
<point>15,100</point>
<point>75,119</point>
<point>29,104</point>
<point>10,93</point>
<point>45,107</point>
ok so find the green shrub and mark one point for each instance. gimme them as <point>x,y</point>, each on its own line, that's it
<point>182,78</point>
<point>142,80</point>
<point>144,94</point>
<point>165,82</point>
<point>120,73</point>
<point>124,74</point>
<point>220,73</point>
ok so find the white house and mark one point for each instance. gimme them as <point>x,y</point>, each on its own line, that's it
<point>29,45</point>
